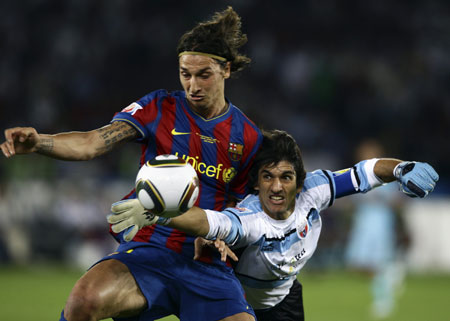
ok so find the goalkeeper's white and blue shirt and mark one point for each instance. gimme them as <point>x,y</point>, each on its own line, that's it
<point>274,251</point>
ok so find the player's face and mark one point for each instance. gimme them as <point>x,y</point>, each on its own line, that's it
<point>203,80</point>
<point>277,186</point>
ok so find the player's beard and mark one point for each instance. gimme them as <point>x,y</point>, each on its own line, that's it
<point>202,108</point>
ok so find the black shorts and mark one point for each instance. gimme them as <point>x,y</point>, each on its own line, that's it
<point>290,309</point>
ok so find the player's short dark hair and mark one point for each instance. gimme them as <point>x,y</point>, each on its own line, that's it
<point>277,146</point>
<point>220,36</point>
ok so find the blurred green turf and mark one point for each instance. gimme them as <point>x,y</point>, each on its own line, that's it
<point>39,294</point>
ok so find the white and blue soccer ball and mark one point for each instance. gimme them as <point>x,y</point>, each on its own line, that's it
<point>167,185</point>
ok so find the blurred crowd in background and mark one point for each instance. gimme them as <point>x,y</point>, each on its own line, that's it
<point>332,73</point>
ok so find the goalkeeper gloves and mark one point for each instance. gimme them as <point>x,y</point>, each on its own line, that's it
<point>130,216</point>
<point>416,179</point>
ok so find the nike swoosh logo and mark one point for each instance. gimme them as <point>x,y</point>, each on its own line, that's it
<point>174,132</point>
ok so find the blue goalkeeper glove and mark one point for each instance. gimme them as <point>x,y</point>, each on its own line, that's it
<point>416,179</point>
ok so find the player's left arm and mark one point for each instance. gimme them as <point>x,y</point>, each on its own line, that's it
<point>130,216</point>
<point>416,179</point>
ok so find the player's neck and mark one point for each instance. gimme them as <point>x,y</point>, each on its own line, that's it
<point>280,216</point>
<point>211,112</point>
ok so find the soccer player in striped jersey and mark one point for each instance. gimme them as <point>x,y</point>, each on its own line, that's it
<point>277,229</point>
<point>154,274</point>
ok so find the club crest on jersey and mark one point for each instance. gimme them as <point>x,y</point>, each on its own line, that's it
<point>235,151</point>
<point>303,227</point>
<point>132,109</point>
<point>304,232</point>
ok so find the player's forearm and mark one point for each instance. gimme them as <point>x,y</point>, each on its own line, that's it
<point>384,169</point>
<point>79,146</point>
<point>74,146</point>
<point>193,222</point>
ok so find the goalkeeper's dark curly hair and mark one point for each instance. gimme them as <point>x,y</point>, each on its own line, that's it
<point>220,36</point>
<point>277,146</point>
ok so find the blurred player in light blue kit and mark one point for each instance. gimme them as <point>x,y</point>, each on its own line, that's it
<point>372,245</point>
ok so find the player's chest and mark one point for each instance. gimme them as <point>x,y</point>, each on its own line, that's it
<point>214,150</point>
<point>285,251</point>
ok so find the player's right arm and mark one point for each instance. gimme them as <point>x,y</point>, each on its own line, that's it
<point>75,146</point>
<point>416,179</point>
<point>130,216</point>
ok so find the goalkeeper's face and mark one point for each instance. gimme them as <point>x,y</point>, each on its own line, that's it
<point>277,188</point>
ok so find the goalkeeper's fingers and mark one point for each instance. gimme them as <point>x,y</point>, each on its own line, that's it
<point>412,190</point>
<point>122,225</point>
<point>116,207</point>
<point>430,172</point>
<point>130,233</point>
<point>422,180</point>
<point>116,218</point>
<point>125,205</point>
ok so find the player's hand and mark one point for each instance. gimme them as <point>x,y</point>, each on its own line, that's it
<point>129,216</point>
<point>416,179</point>
<point>224,251</point>
<point>19,140</point>
<point>200,243</point>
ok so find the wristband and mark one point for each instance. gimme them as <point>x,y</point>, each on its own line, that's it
<point>163,220</point>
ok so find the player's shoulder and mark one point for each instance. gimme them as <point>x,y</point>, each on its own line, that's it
<point>244,126</point>
<point>157,95</point>
<point>316,179</point>
<point>248,206</point>
<point>317,190</point>
<point>239,114</point>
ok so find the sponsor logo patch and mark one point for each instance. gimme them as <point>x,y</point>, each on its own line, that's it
<point>132,109</point>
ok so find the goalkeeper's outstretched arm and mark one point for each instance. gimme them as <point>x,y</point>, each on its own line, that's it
<point>193,222</point>
<point>416,179</point>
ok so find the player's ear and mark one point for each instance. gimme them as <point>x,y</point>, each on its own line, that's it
<point>227,70</point>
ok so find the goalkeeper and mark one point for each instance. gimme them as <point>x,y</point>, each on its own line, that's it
<point>277,228</point>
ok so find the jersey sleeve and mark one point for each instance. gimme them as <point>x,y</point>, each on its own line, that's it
<point>224,225</point>
<point>318,190</point>
<point>360,178</point>
<point>322,187</point>
<point>143,113</point>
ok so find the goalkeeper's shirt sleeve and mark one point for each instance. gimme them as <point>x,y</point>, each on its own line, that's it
<point>360,178</point>
<point>225,226</point>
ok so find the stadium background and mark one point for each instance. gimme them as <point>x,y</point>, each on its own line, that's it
<point>330,72</point>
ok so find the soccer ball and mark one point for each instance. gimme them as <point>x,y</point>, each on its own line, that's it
<point>167,186</point>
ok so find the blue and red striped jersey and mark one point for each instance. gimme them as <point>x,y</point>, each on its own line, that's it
<point>220,149</point>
